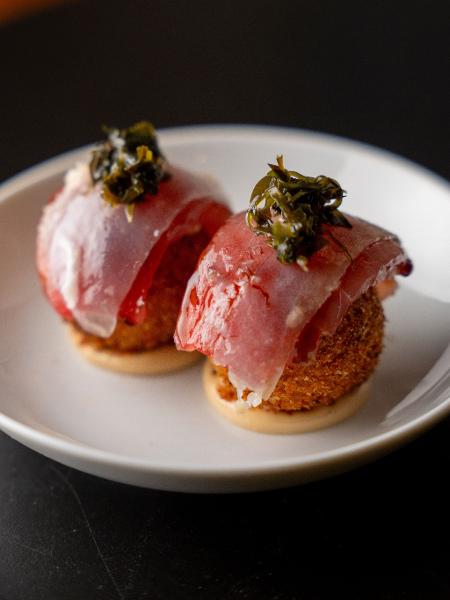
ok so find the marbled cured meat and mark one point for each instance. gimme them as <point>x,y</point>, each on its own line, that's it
<point>253,314</point>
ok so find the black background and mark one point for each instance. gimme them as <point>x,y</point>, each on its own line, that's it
<point>372,71</point>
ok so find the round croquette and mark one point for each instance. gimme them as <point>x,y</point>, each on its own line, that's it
<point>163,302</point>
<point>342,362</point>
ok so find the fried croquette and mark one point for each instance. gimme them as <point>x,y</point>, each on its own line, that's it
<point>342,362</point>
<point>163,302</point>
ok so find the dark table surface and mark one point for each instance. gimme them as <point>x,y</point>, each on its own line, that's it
<point>372,72</point>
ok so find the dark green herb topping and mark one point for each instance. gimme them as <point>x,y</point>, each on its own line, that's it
<point>292,209</point>
<point>129,164</point>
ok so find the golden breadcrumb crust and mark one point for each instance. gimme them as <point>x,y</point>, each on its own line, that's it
<point>163,301</point>
<point>343,361</point>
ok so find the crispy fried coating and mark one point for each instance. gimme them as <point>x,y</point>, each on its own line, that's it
<point>163,301</point>
<point>343,361</point>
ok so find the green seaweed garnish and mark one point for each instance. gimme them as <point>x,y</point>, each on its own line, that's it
<point>291,210</point>
<point>129,164</point>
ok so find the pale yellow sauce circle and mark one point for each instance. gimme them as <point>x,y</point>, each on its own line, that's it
<point>266,421</point>
<point>158,361</point>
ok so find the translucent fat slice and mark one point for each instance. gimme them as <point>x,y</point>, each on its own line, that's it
<point>90,254</point>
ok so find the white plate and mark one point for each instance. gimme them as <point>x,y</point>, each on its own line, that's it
<point>160,432</point>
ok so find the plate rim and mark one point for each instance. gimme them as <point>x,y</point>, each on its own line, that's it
<point>228,132</point>
<point>375,445</point>
<point>386,441</point>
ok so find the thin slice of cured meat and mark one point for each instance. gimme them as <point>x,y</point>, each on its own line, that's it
<point>250,313</point>
<point>375,265</point>
<point>95,265</point>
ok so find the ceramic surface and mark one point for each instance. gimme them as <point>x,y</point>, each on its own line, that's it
<point>161,432</point>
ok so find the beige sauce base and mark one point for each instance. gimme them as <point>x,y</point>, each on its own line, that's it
<point>164,359</point>
<point>265,421</point>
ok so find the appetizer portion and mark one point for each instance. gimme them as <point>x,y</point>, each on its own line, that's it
<point>286,304</point>
<point>117,244</point>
